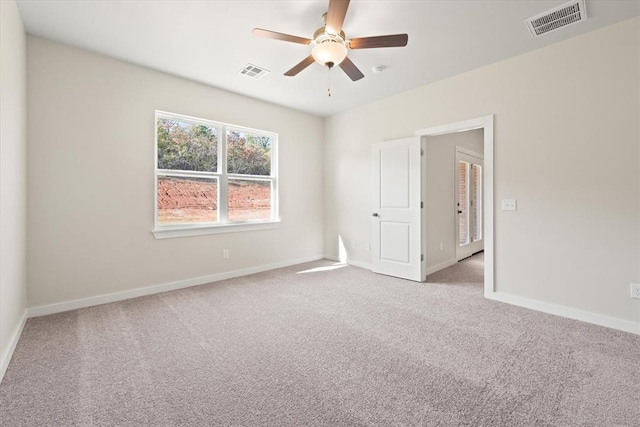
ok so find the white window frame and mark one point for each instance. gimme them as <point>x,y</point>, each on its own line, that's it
<point>222,225</point>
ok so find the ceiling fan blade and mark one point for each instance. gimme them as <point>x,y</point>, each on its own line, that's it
<point>300,66</point>
<point>394,40</point>
<point>335,15</point>
<point>351,70</point>
<point>280,36</point>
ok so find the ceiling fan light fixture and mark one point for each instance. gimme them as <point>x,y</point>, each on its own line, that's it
<point>330,45</point>
<point>329,53</point>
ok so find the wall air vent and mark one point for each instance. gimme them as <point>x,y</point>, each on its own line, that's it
<point>254,71</point>
<point>554,19</point>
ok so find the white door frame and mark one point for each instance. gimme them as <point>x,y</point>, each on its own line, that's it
<point>485,123</point>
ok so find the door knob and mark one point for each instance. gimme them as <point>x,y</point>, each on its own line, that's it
<point>375,214</point>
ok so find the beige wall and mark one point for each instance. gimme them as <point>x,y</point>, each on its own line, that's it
<point>567,147</point>
<point>13,176</point>
<point>91,182</point>
<point>441,196</point>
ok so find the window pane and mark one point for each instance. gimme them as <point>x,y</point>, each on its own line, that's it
<point>249,200</point>
<point>185,146</point>
<point>183,200</point>
<point>248,154</point>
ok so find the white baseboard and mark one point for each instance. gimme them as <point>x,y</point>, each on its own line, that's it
<point>440,266</point>
<point>156,289</point>
<point>360,264</point>
<point>13,342</point>
<point>568,312</point>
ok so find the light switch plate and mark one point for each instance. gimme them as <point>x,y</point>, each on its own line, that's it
<point>509,205</point>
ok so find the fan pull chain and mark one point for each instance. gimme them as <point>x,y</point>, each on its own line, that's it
<point>329,83</point>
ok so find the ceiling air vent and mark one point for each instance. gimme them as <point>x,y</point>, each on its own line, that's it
<point>254,71</point>
<point>554,19</point>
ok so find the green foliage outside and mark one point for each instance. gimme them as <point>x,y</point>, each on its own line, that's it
<point>189,147</point>
<point>184,146</point>
<point>248,154</point>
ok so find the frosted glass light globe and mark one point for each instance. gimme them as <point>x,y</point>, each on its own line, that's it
<point>329,53</point>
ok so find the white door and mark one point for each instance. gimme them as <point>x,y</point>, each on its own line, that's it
<point>396,222</point>
<point>469,199</point>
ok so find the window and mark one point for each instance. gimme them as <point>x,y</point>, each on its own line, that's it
<point>213,177</point>
<point>476,202</point>
<point>463,203</point>
<point>469,202</point>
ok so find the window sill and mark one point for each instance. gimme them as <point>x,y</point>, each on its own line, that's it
<point>186,231</point>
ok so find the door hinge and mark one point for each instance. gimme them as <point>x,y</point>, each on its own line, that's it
<point>421,257</point>
<point>421,205</point>
<point>421,152</point>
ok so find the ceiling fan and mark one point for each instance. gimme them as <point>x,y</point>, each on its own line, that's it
<point>330,45</point>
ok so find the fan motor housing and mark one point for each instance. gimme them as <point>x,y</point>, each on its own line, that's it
<point>320,31</point>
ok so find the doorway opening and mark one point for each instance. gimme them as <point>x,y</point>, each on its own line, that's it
<point>459,227</point>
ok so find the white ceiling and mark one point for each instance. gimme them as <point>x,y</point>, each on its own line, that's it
<point>211,41</point>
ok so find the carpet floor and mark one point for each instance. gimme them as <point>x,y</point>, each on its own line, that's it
<point>320,344</point>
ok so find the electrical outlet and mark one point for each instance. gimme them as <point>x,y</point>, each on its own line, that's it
<point>441,246</point>
<point>509,205</point>
<point>353,244</point>
<point>367,247</point>
<point>635,290</point>
<point>225,254</point>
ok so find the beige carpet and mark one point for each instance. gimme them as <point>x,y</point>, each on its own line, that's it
<point>318,344</point>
